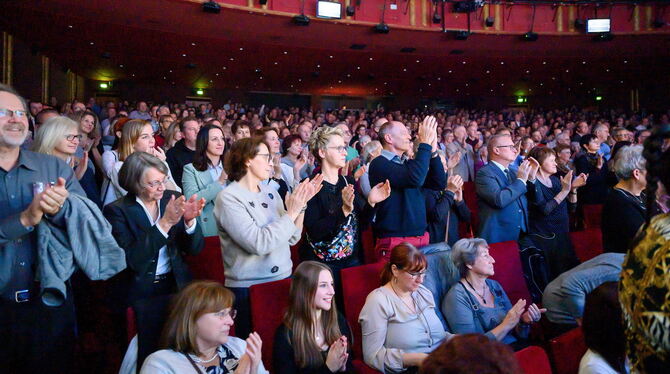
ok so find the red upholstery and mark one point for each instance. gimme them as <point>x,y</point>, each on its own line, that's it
<point>592,215</point>
<point>295,255</point>
<point>508,270</point>
<point>131,329</point>
<point>566,351</point>
<point>268,304</point>
<point>357,283</point>
<point>361,368</point>
<point>208,264</point>
<point>587,243</point>
<point>368,245</point>
<point>533,360</point>
<point>470,197</point>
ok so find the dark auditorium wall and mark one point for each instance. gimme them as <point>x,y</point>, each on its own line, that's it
<point>27,67</point>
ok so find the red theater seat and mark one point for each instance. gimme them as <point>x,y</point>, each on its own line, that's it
<point>368,245</point>
<point>566,351</point>
<point>268,304</point>
<point>357,283</point>
<point>208,264</point>
<point>533,360</point>
<point>470,197</point>
<point>362,368</point>
<point>131,328</point>
<point>508,270</point>
<point>592,215</point>
<point>587,243</point>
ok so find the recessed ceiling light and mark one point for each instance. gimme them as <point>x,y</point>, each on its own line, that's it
<point>285,52</point>
<point>224,68</point>
<point>217,74</point>
<point>370,58</point>
<point>276,63</point>
<point>69,26</point>
<point>193,43</point>
<point>318,66</point>
<point>418,61</point>
<point>170,71</point>
<point>241,49</point>
<point>339,81</point>
<point>404,69</point>
<point>449,71</point>
<point>463,62</point>
<point>121,66</point>
<point>358,68</point>
<point>92,43</point>
<point>330,56</point>
<point>232,59</point>
<point>583,62</point>
<point>299,79</point>
<point>488,71</point>
<point>625,61</point>
<point>183,55</point>
<point>567,70</point>
<point>467,85</point>
<point>502,62</point>
<point>544,62</point>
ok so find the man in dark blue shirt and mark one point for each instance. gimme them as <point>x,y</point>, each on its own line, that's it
<point>402,217</point>
<point>37,337</point>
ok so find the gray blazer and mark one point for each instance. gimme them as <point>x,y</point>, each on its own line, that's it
<point>466,167</point>
<point>202,184</point>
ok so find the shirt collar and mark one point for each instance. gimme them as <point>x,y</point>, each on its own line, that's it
<point>28,160</point>
<point>499,166</point>
<point>391,156</point>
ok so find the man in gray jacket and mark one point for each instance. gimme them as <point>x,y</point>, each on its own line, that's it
<point>466,166</point>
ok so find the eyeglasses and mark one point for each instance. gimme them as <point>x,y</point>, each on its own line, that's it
<point>227,312</point>
<point>15,113</point>
<point>156,184</point>
<point>70,138</point>
<point>415,274</point>
<point>340,149</point>
<point>265,155</point>
<point>510,146</point>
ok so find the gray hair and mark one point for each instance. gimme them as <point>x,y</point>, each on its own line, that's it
<point>464,252</point>
<point>368,149</point>
<point>11,90</point>
<point>627,159</point>
<point>52,132</point>
<point>133,169</point>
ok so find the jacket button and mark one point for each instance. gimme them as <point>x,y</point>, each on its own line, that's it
<point>154,261</point>
<point>204,220</point>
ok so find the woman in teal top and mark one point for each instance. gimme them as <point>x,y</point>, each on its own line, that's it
<point>477,304</point>
<point>205,176</point>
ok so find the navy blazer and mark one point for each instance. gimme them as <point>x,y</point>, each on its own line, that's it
<point>142,242</point>
<point>502,205</point>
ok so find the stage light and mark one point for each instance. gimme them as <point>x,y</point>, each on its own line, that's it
<point>262,2</point>
<point>301,20</point>
<point>382,28</point>
<point>490,21</point>
<point>351,10</point>
<point>461,35</point>
<point>211,7</point>
<point>530,36</point>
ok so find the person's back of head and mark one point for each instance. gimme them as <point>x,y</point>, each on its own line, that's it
<point>603,326</point>
<point>471,354</point>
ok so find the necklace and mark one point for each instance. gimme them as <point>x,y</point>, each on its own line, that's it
<point>483,290</point>
<point>200,361</point>
<point>413,310</point>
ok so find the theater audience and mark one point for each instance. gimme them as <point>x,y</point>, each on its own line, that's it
<point>338,214</point>
<point>602,132</point>
<point>155,227</point>
<point>501,192</point>
<point>593,164</point>
<point>644,289</point>
<point>370,151</point>
<point>196,336</point>
<point>90,129</point>
<point>445,209</point>
<point>137,136</point>
<point>181,154</point>
<point>241,129</point>
<point>398,321</point>
<point>564,162</point>
<point>205,177</point>
<point>550,200</point>
<point>254,228</point>
<point>271,138</point>
<point>465,168</point>
<point>624,209</point>
<point>477,304</point>
<point>296,156</point>
<point>471,354</point>
<point>564,296</point>
<point>314,337</point>
<point>604,336</point>
<point>402,217</point>
<point>173,135</point>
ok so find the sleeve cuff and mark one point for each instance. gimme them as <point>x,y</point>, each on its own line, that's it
<point>191,230</point>
<point>161,230</point>
<point>11,228</point>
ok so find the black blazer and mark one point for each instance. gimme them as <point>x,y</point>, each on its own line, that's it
<point>622,216</point>
<point>142,242</point>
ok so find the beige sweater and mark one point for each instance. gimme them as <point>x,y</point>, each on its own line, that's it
<point>255,234</point>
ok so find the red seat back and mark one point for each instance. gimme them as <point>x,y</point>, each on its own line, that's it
<point>295,252</point>
<point>131,328</point>
<point>362,368</point>
<point>566,351</point>
<point>368,239</point>
<point>470,197</point>
<point>268,303</point>
<point>533,360</point>
<point>208,264</point>
<point>592,215</point>
<point>587,243</point>
<point>357,283</point>
<point>508,270</point>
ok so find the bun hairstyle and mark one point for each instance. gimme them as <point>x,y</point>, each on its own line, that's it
<point>657,155</point>
<point>405,257</point>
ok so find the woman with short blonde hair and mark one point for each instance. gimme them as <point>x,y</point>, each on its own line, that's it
<point>196,336</point>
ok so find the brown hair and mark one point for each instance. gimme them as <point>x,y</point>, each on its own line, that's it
<point>243,150</point>
<point>541,153</point>
<point>79,116</point>
<point>299,317</point>
<point>405,257</point>
<point>196,299</point>
<point>240,123</point>
<point>471,354</point>
<point>129,135</point>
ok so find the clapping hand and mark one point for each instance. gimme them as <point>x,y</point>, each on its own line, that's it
<point>337,357</point>
<point>428,130</point>
<point>580,181</point>
<point>379,193</point>
<point>532,314</point>
<point>514,314</point>
<point>174,211</point>
<point>158,152</point>
<point>348,195</point>
<point>600,162</point>
<point>534,168</point>
<point>193,208</point>
<point>524,170</point>
<point>81,167</point>
<point>566,181</point>
<point>453,160</point>
<point>454,183</point>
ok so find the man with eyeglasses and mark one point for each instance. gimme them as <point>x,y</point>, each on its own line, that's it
<point>501,192</point>
<point>34,333</point>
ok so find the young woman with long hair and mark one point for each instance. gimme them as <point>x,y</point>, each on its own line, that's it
<point>314,337</point>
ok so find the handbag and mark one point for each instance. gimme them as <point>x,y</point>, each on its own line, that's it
<point>535,271</point>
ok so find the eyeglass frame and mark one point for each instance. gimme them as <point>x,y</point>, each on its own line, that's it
<point>14,113</point>
<point>70,138</point>
<point>226,312</point>
<point>342,148</point>
<point>157,183</point>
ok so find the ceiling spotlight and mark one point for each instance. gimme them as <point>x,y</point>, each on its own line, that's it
<point>351,10</point>
<point>437,18</point>
<point>658,23</point>
<point>490,21</point>
<point>530,36</point>
<point>603,37</point>
<point>263,2</point>
<point>580,24</point>
<point>211,7</point>
<point>301,20</point>
<point>382,28</point>
<point>461,35</point>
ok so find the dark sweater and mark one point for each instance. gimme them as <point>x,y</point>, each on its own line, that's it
<point>546,216</point>
<point>595,190</point>
<point>404,212</point>
<point>283,355</point>
<point>178,157</point>
<point>622,216</point>
<point>440,206</point>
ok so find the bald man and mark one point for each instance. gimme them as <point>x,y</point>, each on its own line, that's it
<point>402,217</point>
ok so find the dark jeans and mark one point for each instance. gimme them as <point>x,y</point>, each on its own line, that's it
<point>37,338</point>
<point>243,306</point>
